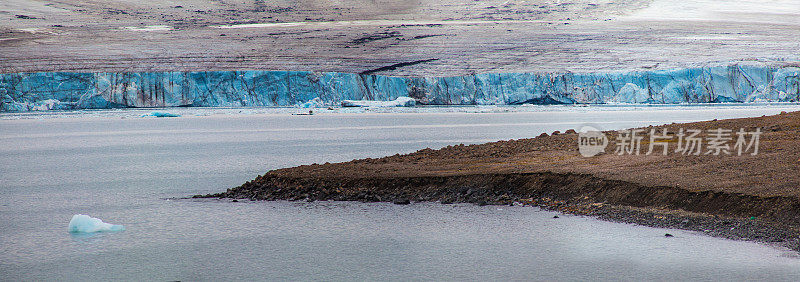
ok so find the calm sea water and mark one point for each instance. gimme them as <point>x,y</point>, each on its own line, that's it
<point>126,169</point>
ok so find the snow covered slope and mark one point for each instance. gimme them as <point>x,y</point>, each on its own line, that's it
<point>62,90</point>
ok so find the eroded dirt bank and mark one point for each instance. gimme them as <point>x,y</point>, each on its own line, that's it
<point>736,196</point>
<point>771,220</point>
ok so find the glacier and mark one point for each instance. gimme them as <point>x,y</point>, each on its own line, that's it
<point>81,223</point>
<point>399,102</point>
<point>734,83</point>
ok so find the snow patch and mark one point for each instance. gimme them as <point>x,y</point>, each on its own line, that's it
<point>260,25</point>
<point>36,30</point>
<point>760,11</point>
<point>149,28</point>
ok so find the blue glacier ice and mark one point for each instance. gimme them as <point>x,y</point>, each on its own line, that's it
<point>313,103</point>
<point>161,114</point>
<point>399,102</point>
<point>81,223</point>
<point>709,84</point>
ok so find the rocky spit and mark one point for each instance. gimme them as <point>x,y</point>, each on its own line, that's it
<point>748,197</point>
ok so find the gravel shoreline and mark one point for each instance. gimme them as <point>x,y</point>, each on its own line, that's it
<point>741,229</point>
<point>761,230</point>
<point>750,197</point>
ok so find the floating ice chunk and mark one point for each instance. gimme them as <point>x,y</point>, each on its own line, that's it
<point>313,103</point>
<point>82,223</point>
<point>161,114</point>
<point>399,102</point>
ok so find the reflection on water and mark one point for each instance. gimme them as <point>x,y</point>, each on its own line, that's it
<point>89,238</point>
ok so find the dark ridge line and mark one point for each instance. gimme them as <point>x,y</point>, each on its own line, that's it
<point>571,187</point>
<point>395,66</point>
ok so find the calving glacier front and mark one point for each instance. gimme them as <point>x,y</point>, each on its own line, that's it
<point>63,90</point>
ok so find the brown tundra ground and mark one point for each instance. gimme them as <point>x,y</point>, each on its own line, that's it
<point>449,37</point>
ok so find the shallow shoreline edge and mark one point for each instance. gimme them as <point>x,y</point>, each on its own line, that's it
<point>718,214</point>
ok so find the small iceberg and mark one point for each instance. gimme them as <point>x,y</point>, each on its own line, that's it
<point>313,103</point>
<point>399,102</point>
<point>161,114</point>
<point>82,223</point>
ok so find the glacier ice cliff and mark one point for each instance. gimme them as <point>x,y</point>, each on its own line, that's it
<point>64,90</point>
<point>399,102</point>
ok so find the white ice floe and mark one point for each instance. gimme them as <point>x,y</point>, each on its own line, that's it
<point>149,28</point>
<point>399,102</point>
<point>82,223</point>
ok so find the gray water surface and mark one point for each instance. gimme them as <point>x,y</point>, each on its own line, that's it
<point>126,170</point>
